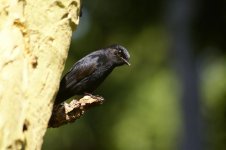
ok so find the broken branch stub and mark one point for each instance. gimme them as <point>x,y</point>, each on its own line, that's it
<point>69,112</point>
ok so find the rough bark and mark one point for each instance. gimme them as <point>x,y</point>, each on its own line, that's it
<point>67,113</point>
<point>34,41</point>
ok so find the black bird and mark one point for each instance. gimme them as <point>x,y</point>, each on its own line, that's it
<point>90,71</point>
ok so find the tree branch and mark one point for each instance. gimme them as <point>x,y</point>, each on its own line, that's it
<point>67,113</point>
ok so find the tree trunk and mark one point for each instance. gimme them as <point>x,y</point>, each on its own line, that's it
<point>34,41</point>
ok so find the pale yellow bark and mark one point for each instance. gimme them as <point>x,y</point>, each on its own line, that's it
<point>34,41</point>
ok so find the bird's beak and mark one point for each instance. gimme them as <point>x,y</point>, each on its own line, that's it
<point>125,61</point>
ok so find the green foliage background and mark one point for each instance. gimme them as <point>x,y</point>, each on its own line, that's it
<point>142,110</point>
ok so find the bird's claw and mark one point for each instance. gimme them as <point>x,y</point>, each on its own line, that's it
<point>92,96</point>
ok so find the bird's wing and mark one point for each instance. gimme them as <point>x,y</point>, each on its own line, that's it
<point>79,71</point>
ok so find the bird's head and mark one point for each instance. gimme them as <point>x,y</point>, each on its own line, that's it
<point>119,55</point>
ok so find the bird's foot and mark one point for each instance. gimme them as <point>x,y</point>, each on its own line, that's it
<point>92,96</point>
<point>88,94</point>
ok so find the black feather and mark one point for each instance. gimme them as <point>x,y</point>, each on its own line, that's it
<point>90,71</point>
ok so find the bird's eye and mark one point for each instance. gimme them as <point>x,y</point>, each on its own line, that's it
<point>120,53</point>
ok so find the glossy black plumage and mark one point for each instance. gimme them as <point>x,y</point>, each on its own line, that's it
<point>90,71</point>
